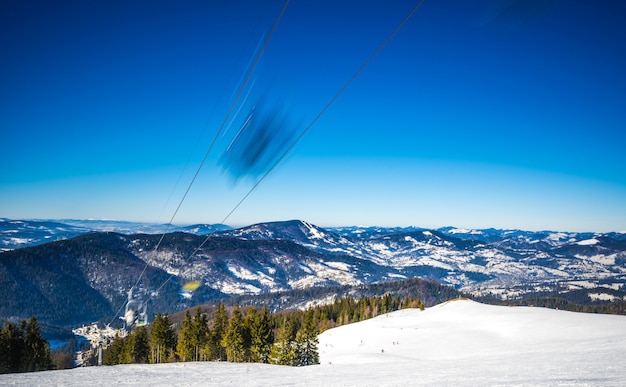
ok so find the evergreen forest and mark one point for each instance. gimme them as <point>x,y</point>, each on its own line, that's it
<point>246,335</point>
<point>22,349</point>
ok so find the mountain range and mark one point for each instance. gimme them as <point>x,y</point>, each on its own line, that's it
<point>16,234</point>
<point>74,272</point>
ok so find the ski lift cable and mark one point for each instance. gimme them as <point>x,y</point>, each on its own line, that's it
<point>232,107</point>
<point>212,145</point>
<point>171,221</point>
<point>308,127</point>
<point>212,112</point>
<point>319,115</point>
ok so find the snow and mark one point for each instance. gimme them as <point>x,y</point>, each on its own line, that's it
<point>602,297</point>
<point>580,285</point>
<point>241,272</point>
<point>557,236</point>
<point>456,343</point>
<point>314,232</point>
<point>18,241</point>
<point>464,231</point>
<point>305,269</point>
<point>588,242</point>
<point>306,282</point>
<point>339,265</point>
<point>231,287</point>
<point>245,274</point>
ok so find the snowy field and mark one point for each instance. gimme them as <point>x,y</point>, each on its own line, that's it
<point>455,343</point>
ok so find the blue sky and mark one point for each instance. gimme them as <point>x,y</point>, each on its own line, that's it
<point>506,114</point>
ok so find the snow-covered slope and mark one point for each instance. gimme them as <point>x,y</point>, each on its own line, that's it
<point>465,329</point>
<point>460,343</point>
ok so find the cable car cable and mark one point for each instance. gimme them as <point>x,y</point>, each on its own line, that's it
<point>208,152</point>
<point>308,127</point>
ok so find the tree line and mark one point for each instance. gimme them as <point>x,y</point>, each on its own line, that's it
<point>22,349</point>
<point>246,335</point>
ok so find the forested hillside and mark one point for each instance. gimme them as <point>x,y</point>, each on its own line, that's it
<point>247,335</point>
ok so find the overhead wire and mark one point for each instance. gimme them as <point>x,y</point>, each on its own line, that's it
<point>310,125</point>
<point>319,115</point>
<point>211,146</point>
<point>206,125</point>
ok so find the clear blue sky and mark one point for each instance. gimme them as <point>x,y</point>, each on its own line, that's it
<point>506,114</point>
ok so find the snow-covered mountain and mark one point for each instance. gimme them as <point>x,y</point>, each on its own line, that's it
<point>503,263</point>
<point>459,343</point>
<point>585,268</point>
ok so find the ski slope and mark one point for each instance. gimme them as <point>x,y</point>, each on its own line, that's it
<point>455,343</point>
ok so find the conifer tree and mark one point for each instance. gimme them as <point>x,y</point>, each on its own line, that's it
<point>261,336</point>
<point>248,323</point>
<point>185,345</point>
<point>135,347</point>
<point>220,325</point>
<point>140,348</point>
<point>36,354</point>
<point>22,349</point>
<point>4,350</point>
<point>12,347</point>
<point>200,329</point>
<point>387,303</point>
<point>284,351</point>
<point>162,339</point>
<point>233,340</point>
<point>307,341</point>
<point>113,353</point>
<point>126,356</point>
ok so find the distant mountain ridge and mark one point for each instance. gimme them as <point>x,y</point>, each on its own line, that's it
<point>87,276</point>
<point>15,234</point>
<point>24,233</point>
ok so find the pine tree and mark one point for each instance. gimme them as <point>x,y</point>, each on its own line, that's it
<point>162,339</point>
<point>307,341</point>
<point>138,346</point>
<point>12,347</point>
<point>22,349</point>
<point>261,336</point>
<point>185,346</point>
<point>220,326</point>
<point>113,353</point>
<point>126,356</point>
<point>233,341</point>
<point>200,328</point>
<point>284,351</point>
<point>387,303</point>
<point>36,354</point>
<point>4,350</point>
<point>248,323</point>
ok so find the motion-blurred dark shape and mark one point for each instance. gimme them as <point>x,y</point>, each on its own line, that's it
<point>264,136</point>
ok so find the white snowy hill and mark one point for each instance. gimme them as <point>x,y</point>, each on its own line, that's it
<point>455,343</point>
